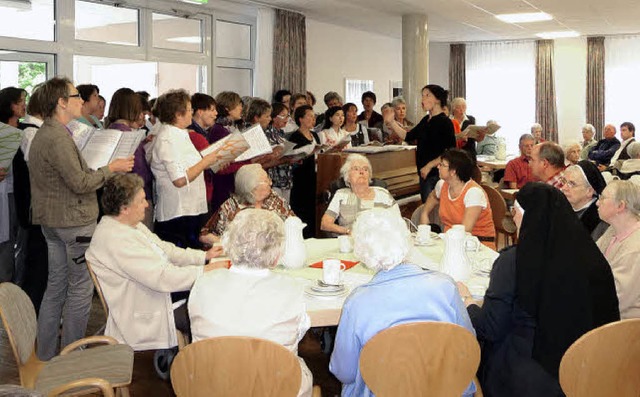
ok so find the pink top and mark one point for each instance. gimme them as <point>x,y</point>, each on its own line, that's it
<point>619,238</point>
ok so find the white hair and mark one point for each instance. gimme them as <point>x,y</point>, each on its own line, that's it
<point>589,127</point>
<point>346,167</point>
<point>455,102</point>
<point>398,101</point>
<point>628,193</point>
<point>571,145</point>
<point>381,239</point>
<point>247,179</point>
<point>255,238</point>
<point>535,126</point>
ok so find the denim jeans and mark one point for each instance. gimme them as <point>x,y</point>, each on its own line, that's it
<point>69,289</point>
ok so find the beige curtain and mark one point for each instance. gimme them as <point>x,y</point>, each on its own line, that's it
<point>546,113</point>
<point>290,52</point>
<point>457,71</point>
<point>595,83</point>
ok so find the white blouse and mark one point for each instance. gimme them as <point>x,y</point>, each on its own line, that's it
<point>172,155</point>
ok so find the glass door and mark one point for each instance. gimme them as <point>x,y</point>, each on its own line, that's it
<point>24,69</point>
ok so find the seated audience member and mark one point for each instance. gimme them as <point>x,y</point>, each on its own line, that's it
<point>178,170</point>
<point>459,113</point>
<point>536,131</point>
<point>249,299</point>
<point>358,196</point>
<point>547,163</point>
<point>295,102</point>
<point>571,154</point>
<point>582,186</point>
<point>331,99</point>
<point>332,131</point>
<point>137,270</point>
<point>283,97</point>
<point>544,293</point>
<point>370,116</point>
<point>627,132</point>
<point>631,166</point>
<point>488,146</point>
<point>399,293</point>
<point>90,94</point>
<point>619,206</point>
<point>588,132</point>
<point>606,147</point>
<point>253,190</point>
<point>518,171</point>
<point>462,201</point>
<point>358,131</point>
<point>64,203</point>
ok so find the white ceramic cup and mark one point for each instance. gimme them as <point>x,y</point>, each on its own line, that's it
<point>332,270</point>
<point>345,244</point>
<point>424,233</point>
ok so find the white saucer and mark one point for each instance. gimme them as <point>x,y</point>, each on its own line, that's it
<point>325,294</point>
<point>421,243</point>
<point>324,288</point>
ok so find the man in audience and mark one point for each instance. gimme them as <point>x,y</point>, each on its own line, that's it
<point>331,99</point>
<point>283,96</point>
<point>536,131</point>
<point>547,163</point>
<point>628,132</point>
<point>588,131</point>
<point>138,271</point>
<point>518,172</point>
<point>90,94</point>
<point>64,202</point>
<point>373,118</point>
<point>604,150</point>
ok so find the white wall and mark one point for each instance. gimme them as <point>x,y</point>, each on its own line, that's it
<point>439,64</point>
<point>335,53</point>
<point>571,87</point>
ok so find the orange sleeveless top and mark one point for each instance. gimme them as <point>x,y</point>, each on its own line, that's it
<point>452,213</point>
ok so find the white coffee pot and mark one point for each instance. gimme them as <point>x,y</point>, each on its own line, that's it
<point>455,261</point>
<point>295,252</point>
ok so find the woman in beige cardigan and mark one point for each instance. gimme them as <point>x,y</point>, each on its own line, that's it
<point>619,206</point>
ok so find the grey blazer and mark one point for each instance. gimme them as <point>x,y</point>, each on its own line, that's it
<point>63,188</point>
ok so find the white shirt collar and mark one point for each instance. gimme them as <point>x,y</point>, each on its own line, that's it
<point>250,271</point>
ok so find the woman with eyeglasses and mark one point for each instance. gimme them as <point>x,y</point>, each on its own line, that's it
<point>544,293</point>
<point>280,174</point>
<point>462,200</point>
<point>619,206</point>
<point>356,197</point>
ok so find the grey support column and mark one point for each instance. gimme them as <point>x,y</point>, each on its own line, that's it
<point>415,62</point>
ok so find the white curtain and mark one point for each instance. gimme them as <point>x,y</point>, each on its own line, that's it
<point>501,82</point>
<point>621,79</point>
<point>354,89</point>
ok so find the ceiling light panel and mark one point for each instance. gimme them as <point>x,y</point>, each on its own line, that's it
<point>525,17</point>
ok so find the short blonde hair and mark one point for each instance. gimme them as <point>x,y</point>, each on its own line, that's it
<point>381,239</point>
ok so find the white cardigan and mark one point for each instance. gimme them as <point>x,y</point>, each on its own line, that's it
<point>137,272</point>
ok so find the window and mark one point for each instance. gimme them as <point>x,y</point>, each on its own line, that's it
<point>24,70</point>
<point>177,33</point>
<point>106,24</point>
<point>354,89</point>
<point>501,87</point>
<point>234,79</point>
<point>233,40</point>
<point>27,19</point>
<point>622,62</point>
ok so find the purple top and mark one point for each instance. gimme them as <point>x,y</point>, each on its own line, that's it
<point>140,165</point>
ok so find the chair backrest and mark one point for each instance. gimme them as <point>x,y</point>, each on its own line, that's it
<point>415,216</point>
<point>418,359</point>
<point>235,366</point>
<point>96,283</point>
<point>498,206</point>
<point>19,320</point>
<point>604,362</point>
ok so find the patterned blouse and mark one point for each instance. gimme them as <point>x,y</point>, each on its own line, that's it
<point>280,175</point>
<point>218,223</point>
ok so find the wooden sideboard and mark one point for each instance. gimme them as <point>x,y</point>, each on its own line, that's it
<point>396,168</point>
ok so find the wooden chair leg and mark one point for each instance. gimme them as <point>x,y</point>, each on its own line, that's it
<point>122,391</point>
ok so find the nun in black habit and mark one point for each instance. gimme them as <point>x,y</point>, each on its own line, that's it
<point>544,293</point>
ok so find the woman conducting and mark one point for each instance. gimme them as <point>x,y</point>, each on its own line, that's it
<point>462,200</point>
<point>544,293</point>
<point>356,197</point>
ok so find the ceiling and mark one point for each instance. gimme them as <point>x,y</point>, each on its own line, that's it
<point>472,20</point>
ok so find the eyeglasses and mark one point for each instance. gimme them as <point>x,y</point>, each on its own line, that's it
<point>281,117</point>
<point>358,169</point>
<point>569,183</point>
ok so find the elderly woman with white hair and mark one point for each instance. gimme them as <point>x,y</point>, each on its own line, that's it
<point>252,190</point>
<point>583,183</point>
<point>619,206</point>
<point>249,299</point>
<point>400,292</point>
<point>358,196</point>
<point>588,142</point>
<point>571,154</point>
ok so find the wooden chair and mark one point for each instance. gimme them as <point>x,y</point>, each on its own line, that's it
<point>434,216</point>
<point>182,339</point>
<point>604,362</point>
<point>502,221</point>
<point>91,370</point>
<point>420,359</point>
<point>232,366</point>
